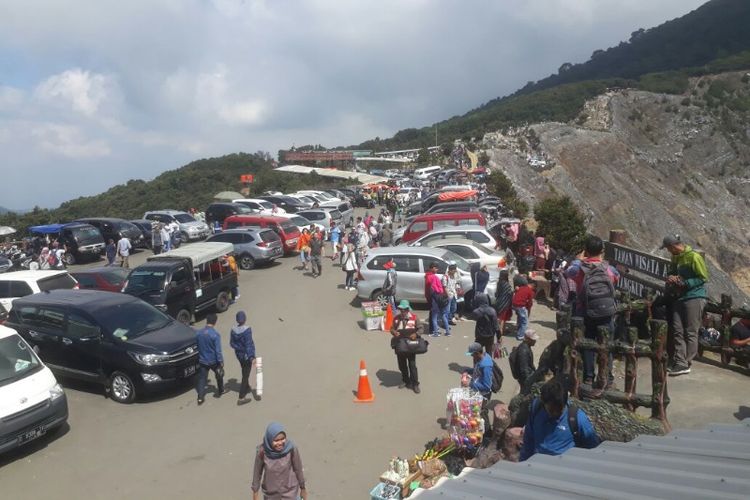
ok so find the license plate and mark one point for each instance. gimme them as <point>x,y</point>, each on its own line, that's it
<point>31,435</point>
<point>190,370</point>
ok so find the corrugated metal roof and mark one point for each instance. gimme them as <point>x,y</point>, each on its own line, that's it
<point>332,172</point>
<point>687,464</point>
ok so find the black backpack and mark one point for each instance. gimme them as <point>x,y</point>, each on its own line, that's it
<point>513,362</point>
<point>598,291</point>
<point>497,377</point>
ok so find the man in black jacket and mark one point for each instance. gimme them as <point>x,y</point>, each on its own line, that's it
<point>525,361</point>
<point>486,329</point>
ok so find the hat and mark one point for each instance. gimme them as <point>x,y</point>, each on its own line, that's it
<point>389,265</point>
<point>404,304</point>
<point>670,240</point>
<point>241,317</point>
<point>531,334</point>
<point>473,348</point>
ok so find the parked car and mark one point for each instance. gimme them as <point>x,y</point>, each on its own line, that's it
<point>115,229</point>
<point>258,206</point>
<point>252,246</point>
<point>303,223</point>
<point>307,202</point>
<point>471,251</point>
<point>453,206</point>
<point>22,283</point>
<point>190,229</point>
<point>108,278</point>
<point>111,339</point>
<point>83,241</point>
<point>217,212</point>
<point>425,172</point>
<point>345,209</point>
<point>411,263</point>
<point>32,403</point>
<point>423,224</point>
<point>323,216</point>
<point>185,281</point>
<point>480,234</point>
<point>363,201</point>
<point>3,314</point>
<point>145,226</point>
<point>289,204</point>
<point>287,231</point>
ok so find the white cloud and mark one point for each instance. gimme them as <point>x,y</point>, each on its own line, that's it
<point>69,141</point>
<point>83,91</point>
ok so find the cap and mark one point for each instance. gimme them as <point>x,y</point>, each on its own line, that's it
<point>404,304</point>
<point>670,240</point>
<point>531,334</point>
<point>474,347</point>
<point>241,317</point>
<point>389,265</point>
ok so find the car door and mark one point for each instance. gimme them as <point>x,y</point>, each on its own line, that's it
<point>410,279</point>
<point>469,254</point>
<point>43,327</point>
<point>80,345</point>
<point>180,293</point>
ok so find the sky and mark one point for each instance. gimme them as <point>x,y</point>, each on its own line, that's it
<point>94,93</point>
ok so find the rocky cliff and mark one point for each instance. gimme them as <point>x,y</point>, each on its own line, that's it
<point>651,164</point>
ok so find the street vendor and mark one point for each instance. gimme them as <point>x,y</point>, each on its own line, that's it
<point>481,378</point>
<point>406,325</point>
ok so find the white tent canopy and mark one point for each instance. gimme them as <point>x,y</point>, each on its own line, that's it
<point>198,253</point>
<point>332,172</point>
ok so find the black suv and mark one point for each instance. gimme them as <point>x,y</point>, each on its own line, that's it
<point>288,203</point>
<point>115,229</point>
<point>217,212</point>
<point>108,338</point>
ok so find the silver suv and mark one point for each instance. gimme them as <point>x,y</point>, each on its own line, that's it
<point>252,246</point>
<point>190,229</point>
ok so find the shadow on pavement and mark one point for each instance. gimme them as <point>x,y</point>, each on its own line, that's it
<point>719,364</point>
<point>32,447</point>
<point>388,378</point>
<point>455,367</point>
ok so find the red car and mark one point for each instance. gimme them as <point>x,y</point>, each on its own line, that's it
<point>109,279</point>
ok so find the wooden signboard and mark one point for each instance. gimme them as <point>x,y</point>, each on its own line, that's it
<point>641,274</point>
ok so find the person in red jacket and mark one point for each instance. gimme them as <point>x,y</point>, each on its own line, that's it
<point>523,299</point>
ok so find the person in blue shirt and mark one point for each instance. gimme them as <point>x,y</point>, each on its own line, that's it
<point>209,358</point>
<point>548,429</point>
<point>481,379</point>
<point>241,340</point>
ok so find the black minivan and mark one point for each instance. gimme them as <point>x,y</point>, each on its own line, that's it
<point>115,229</point>
<point>112,339</point>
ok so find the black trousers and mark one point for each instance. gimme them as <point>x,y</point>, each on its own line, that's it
<point>487,342</point>
<point>407,365</point>
<point>246,365</point>
<point>203,378</point>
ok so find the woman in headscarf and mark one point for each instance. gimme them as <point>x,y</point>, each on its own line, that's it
<point>541,251</point>
<point>278,467</point>
<point>44,258</point>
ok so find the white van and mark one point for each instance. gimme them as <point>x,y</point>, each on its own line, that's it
<point>424,172</point>
<point>32,403</point>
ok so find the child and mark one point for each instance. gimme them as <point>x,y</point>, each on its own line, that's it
<point>523,299</point>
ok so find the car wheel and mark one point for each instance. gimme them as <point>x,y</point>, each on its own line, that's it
<point>121,388</point>
<point>379,296</point>
<point>222,302</point>
<point>184,237</point>
<point>183,316</point>
<point>69,259</point>
<point>247,262</point>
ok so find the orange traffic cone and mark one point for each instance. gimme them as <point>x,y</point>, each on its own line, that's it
<point>364,393</point>
<point>388,319</point>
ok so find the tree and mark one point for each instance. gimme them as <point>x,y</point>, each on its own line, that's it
<point>483,159</point>
<point>564,68</point>
<point>561,223</point>
<point>499,185</point>
<point>424,157</point>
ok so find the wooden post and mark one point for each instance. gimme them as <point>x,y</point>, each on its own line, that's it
<point>631,365</point>
<point>726,324</point>
<point>659,395</point>
<point>602,357</point>
<point>619,236</point>
<point>576,367</point>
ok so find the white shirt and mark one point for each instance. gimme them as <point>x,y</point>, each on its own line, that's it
<point>123,247</point>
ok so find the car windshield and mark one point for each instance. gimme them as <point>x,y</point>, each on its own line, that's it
<point>115,275</point>
<point>288,227</point>
<point>86,234</point>
<point>266,204</point>
<point>125,226</point>
<point>130,319</point>
<point>16,359</point>
<point>269,236</point>
<point>184,218</point>
<point>460,262</point>
<point>242,209</point>
<point>314,216</point>
<point>142,280</point>
<point>299,221</point>
<point>335,214</point>
<point>62,281</point>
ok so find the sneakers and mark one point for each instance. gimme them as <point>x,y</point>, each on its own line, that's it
<point>447,334</point>
<point>453,322</point>
<point>200,401</point>
<point>218,393</point>
<point>416,389</point>
<point>678,370</point>
<point>436,334</point>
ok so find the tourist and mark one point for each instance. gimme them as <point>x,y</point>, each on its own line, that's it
<point>595,300</point>
<point>241,340</point>
<point>389,284</point>
<point>278,467</point>
<point>486,329</point>
<point>438,300</point>
<point>480,379</point>
<point>554,426</point>
<point>350,266</point>
<point>303,247</point>
<point>209,358</point>
<point>452,285</point>
<point>335,236</point>
<point>316,254</point>
<point>111,252</point>
<point>523,299</point>
<point>686,284</point>
<point>44,259</point>
<point>156,241</point>
<point>406,325</point>
<point>503,300</point>
<point>166,239</point>
<point>523,361</point>
<point>386,235</point>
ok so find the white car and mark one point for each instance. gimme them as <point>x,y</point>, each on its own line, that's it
<point>262,207</point>
<point>473,232</point>
<point>302,222</point>
<point>32,403</point>
<point>22,283</point>
<point>471,251</point>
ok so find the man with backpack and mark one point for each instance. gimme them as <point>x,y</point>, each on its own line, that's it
<point>595,300</point>
<point>486,328</point>
<point>521,361</point>
<point>485,378</point>
<point>554,426</point>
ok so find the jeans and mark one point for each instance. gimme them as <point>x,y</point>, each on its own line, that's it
<point>522,315</point>
<point>686,320</point>
<point>438,312</point>
<point>349,279</point>
<point>591,329</point>
<point>246,365</point>
<point>315,265</point>
<point>452,307</point>
<point>407,365</point>
<point>200,386</point>
<point>303,258</point>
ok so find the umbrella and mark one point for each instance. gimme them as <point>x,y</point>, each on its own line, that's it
<point>6,230</point>
<point>228,196</point>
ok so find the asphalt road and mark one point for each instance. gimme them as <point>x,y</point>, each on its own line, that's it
<point>307,330</point>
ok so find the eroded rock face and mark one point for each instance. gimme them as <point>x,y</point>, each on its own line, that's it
<point>652,164</point>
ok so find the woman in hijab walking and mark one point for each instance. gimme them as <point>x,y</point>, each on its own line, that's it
<point>278,467</point>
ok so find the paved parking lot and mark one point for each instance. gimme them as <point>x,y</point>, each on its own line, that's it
<point>308,333</point>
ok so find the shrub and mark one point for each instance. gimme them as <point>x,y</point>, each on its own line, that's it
<point>561,223</point>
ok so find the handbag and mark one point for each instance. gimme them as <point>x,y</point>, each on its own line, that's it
<point>443,300</point>
<point>408,346</point>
